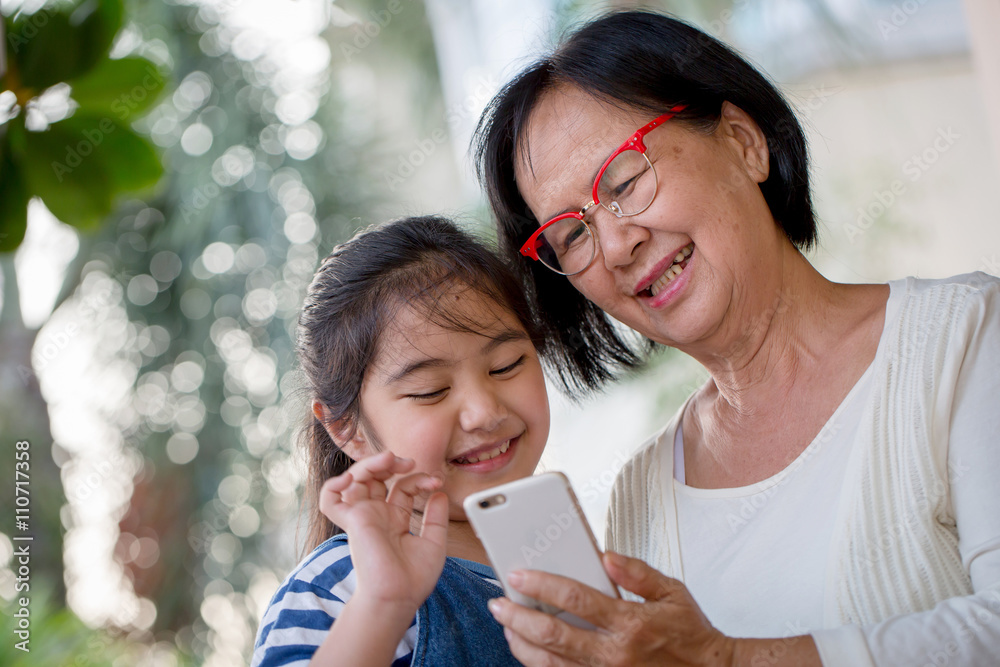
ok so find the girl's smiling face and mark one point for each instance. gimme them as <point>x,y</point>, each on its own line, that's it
<point>470,404</point>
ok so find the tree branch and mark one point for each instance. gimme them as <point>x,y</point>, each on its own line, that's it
<point>10,312</point>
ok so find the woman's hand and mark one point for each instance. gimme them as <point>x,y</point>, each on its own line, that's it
<point>667,629</point>
<point>393,566</point>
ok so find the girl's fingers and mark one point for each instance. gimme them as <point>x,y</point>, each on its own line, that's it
<point>408,487</point>
<point>380,467</point>
<point>338,483</point>
<point>330,494</point>
<point>434,527</point>
<point>360,491</point>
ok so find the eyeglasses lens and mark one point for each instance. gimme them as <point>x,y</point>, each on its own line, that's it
<point>567,246</point>
<point>628,185</point>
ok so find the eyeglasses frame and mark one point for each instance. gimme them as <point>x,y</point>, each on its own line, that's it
<point>633,143</point>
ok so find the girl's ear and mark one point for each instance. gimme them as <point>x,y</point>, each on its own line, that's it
<point>749,138</point>
<point>354,444</point>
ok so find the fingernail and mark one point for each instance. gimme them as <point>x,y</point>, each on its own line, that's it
<point>614,559</point>
<point>507,633</point>
<point>494,606</point>
<point>515,578</point>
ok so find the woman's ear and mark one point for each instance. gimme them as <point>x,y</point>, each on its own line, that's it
<point>749,140</point>
<point>343,432</point>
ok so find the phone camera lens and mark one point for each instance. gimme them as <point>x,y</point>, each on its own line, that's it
<point>484,503</point>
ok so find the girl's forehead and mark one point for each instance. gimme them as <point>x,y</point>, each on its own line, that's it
<point>435,320</point>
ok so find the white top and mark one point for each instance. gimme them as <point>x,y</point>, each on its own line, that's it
<point>882,538</point>
<point>723,532</point>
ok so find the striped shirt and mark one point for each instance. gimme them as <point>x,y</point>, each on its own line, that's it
<point>308,602</point>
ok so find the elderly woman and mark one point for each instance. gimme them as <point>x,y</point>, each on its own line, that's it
<point>830,495</point>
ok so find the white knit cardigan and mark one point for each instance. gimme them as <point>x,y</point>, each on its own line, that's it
<point>895,543</point>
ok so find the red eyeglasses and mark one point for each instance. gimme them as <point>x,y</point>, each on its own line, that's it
<point>625,185</point>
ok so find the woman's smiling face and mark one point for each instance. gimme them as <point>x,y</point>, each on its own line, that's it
<point>708,212</point>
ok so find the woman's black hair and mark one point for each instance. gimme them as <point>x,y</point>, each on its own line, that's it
<point>355,294</point>
<point>642,61</point>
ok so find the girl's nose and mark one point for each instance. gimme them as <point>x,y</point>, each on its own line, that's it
<point>481,410</point>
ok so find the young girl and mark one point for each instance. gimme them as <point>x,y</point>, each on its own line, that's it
<point>421,356</point>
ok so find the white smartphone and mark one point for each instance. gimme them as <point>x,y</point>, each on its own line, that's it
<point>536,523</point>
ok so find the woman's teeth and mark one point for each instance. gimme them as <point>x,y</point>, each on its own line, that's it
<point>485,456</point>
<point>673,270</point>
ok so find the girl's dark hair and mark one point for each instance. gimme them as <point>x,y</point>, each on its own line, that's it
<point>355,294</point>
<point>642,61</point>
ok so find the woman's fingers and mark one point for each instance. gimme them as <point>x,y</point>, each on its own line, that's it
<point>569,595</point>
<point>530,655</point>
<point>533,634</point>
<point>638,577</point>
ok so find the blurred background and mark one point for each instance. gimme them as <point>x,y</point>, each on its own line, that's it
<point>171,172</point>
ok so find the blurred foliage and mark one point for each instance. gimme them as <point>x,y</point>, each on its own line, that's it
<point>192,295</point>
<point>59,639</point>
<point>77,165</point>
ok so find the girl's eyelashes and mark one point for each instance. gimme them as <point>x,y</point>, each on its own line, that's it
<point>427,396</point>
<point>510,367</point>
<point>430,396</point>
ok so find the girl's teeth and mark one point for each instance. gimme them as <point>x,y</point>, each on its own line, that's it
<point>486,456</point>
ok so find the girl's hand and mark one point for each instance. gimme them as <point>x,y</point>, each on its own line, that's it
<point>667,629</point>
<point>393,566</point>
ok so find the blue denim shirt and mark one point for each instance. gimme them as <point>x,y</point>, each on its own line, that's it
<point>454,626</point>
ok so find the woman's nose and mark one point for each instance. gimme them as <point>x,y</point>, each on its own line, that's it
<point>481,410</point>
<point>618,237</point>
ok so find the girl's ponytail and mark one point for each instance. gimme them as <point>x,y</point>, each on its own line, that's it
<point>325,460</point>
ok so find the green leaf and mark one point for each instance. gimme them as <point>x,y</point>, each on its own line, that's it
<point>79,165</point>
<point>13,202</point>
<point>62,43</point>
<point>131,161</point>
<point>124,87</point>
<point>60,167</point>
